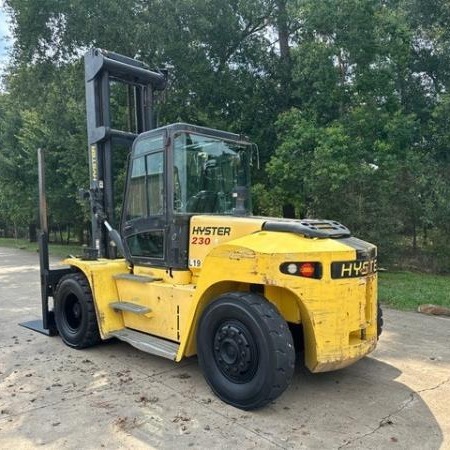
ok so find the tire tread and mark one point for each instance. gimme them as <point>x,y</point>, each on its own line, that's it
<point>92,335</point>
<point>281,337</point>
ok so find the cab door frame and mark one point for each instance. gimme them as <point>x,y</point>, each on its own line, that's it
<point>150,227</point>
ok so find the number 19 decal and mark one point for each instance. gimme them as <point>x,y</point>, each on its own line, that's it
<point>199,240</point>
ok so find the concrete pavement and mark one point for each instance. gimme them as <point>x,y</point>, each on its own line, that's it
<point>114,396</point>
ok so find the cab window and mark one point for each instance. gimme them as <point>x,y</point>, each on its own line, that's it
<point>207,173</point>
<point>146,190</point>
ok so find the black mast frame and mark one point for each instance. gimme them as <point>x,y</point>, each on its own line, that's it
<point>101,67</point>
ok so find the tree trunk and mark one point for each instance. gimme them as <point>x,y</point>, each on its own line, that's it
<point>285,52</point>
<point>289,211</point>
<point>414,236</point>
<point>32,232</point>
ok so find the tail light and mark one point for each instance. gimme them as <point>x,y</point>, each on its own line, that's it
<point>307,269</point>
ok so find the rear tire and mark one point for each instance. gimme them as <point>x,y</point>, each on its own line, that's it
<point>380,321</point>
<point>75,316</point>
<point>245,350</point>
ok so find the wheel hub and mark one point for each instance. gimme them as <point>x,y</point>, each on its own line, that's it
<point>73,312</point>
<point>235,352</point>
<point>76,311</point>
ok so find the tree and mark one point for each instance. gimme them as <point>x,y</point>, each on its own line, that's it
<point>347,101</point>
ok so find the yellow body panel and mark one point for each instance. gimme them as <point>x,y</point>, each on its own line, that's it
<point>168,299</point>
<point>167,303</point>
<point>175,277</point>
<point>207,232</point>
<point>100,275</point>
<point>338,315</point>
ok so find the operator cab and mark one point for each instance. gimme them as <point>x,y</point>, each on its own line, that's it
<point>176,172</point>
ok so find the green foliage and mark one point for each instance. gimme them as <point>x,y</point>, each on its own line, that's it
<point>221,74</point>
<point>367,143</point>
<point>56,124</point>
<point>348,102</point>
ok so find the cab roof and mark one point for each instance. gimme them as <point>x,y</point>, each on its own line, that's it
<point>185,127</point>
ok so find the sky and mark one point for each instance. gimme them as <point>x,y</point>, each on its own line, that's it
<point>5,43</point>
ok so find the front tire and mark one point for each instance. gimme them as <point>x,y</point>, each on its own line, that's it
<point>245,350</point>
<point>75,316</point>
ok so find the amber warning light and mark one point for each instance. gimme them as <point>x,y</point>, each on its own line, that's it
<point>302,269</point>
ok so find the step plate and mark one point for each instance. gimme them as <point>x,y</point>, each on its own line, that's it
<point>147,343</point>
<point>130,307</point>
<point>136,278</point>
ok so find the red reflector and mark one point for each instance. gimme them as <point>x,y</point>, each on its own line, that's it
<point>307,269</point>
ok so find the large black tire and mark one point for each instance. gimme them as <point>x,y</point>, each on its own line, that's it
<point>75,316</point>
<point>379,321</point>
<point>245,350</point>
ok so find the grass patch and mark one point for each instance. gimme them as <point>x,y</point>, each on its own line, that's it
<point>408,290</point>
<point>56,250</point>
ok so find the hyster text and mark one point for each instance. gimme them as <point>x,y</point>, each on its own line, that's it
<point>212,231</point>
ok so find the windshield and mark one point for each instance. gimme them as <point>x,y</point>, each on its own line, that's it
<point>210,175</point>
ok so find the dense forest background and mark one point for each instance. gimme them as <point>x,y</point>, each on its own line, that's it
<point>348,101</point>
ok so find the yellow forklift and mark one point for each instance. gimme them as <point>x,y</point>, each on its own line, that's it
<point>189,270</point>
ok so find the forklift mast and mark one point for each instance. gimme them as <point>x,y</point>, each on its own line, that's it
<point>102,67</point>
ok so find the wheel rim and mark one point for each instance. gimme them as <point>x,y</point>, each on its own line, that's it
<point>73,312</point>
<point>235,351</point>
